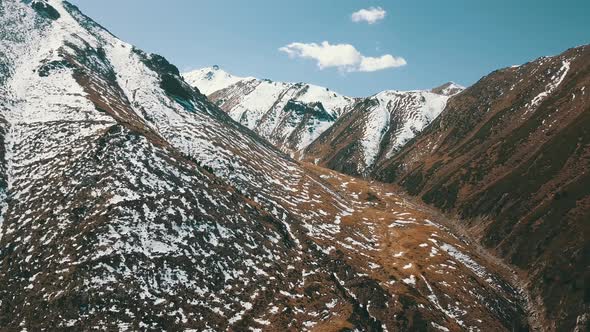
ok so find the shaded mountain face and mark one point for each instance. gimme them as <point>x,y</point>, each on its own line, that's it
<point>130,202</point>
<point>511,155</point>
<point>376,128</point>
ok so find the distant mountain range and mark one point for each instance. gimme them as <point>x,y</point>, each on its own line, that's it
<point>295,116</point>
<point>289,115</point>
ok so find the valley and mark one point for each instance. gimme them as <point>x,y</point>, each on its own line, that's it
<point>506,159</point>
<point>136,197</point>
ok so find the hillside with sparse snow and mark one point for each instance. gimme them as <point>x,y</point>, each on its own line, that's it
<point>511,156</point>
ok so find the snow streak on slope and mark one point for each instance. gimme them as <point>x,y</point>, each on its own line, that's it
<point>376,128</point>
<point>554,84</point>
<point>411,111</point>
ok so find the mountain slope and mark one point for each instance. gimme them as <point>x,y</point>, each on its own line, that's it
<point>511,155</point>
<point>132,203</point>
<point>376,128</point>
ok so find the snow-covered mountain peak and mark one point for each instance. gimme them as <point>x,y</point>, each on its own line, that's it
<point>264,105</point>
<point>376,127</point>
<point>211,79</point>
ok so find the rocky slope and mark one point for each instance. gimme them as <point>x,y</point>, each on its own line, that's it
<point>129,202</point>
<point>376,128</point>
<point>511,155</point>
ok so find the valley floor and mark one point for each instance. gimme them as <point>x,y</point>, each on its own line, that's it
<point>416,254</point>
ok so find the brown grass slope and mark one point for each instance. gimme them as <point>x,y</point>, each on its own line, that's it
<point>514,163</point>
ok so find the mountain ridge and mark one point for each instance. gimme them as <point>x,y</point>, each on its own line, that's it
<point>259,105</point>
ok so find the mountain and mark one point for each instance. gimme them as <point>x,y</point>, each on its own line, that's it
<point>289,115</point>
<point>511,156</point>
<point>376,128</point>
<point>306,121</point>
<point>130,202</point>
<point>212,79</point>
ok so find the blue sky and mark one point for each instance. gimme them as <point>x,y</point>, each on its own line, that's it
<point>452,40</point>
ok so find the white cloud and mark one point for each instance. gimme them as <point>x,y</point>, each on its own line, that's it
<point>327,55</point>
<point>370,15</point>
<point>383,62</point>
<point>345,57</point>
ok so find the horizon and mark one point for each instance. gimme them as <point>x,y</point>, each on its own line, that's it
<point>368,47</point>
